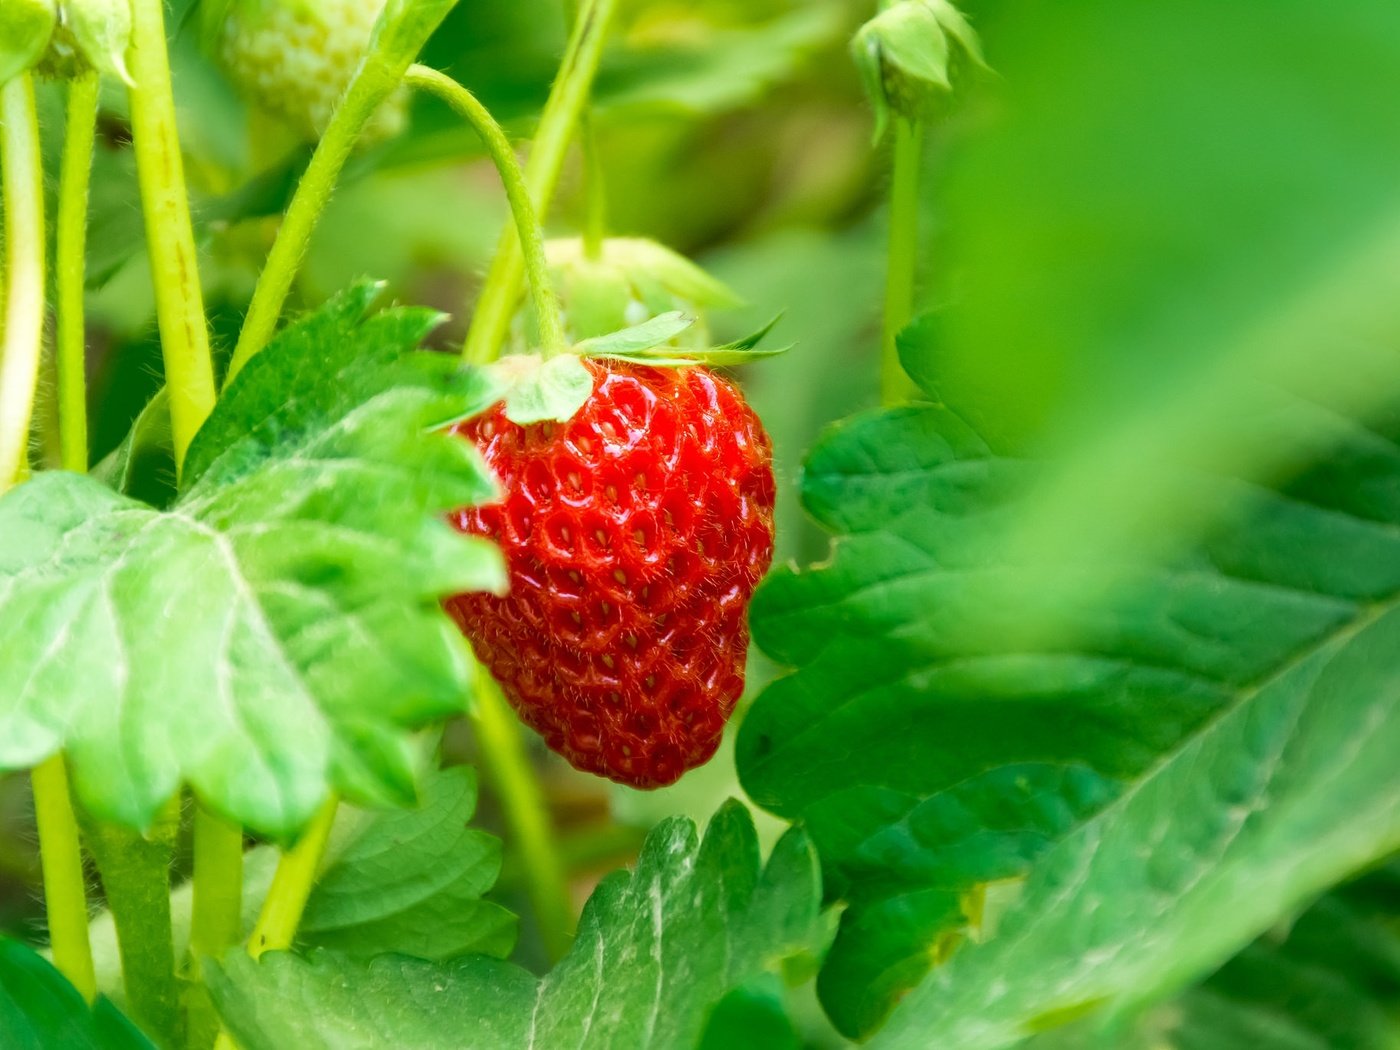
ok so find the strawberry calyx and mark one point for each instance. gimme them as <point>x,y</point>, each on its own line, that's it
<point>553,387</point>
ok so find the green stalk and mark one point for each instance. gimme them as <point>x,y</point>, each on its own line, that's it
<point>403,28</point>
<point>895,385</point>
<point>69,269</point>
<point>22,183</point>
<point>291,886</point>
<point>595,214</point>
<point>505,762</point>
<point>65,889</point>
<point>527,225</point>
<point>567,99</point>
<point>216,923</point>
<point>135,872</point>
<point>160,171</point>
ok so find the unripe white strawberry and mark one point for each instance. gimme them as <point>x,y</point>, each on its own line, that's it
<point>295,58</point>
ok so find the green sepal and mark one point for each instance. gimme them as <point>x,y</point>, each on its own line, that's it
<point>26,26</point>
<point>906,56</point>
<point>540,389</point>
<point>648,344</point>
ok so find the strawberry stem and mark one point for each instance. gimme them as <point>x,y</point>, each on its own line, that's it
<point>595,217</point>
<point>291,885</point>
<point>160,171</point>
<point>527,224</point>
<point>402,31</point>
<point>217,911</point>
<point>69,268</point>
<point>65,887</point>
<point>557,123</point>
<point>895,385</point>
<point>23,187</point>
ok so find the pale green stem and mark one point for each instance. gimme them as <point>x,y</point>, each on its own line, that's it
<point>895,385</point>
<point>527,225</point>
<point>217,910</point>
<point>595,189</point>
<point>22,183</point>
<point>160,170</point>
<point>566,100</point>
<point>69,270</point>
<point>381,72</point>
<point>505,762</point>
<point>135,872</point>
<point>291,886</point>
<point>65,889</point>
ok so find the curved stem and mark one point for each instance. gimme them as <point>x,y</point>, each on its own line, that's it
<point>527,225</point>
<point>65,889</point>
<point>69,269</point>
<point>561,113</point>
<point>504,761</point>
<point>291,886</point>
<point>895,385</point>
<point>160,170</point>
<point>403,29</point>
<point>22,183</point>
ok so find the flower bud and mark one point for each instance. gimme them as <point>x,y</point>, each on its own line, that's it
<point>907,54</point>
<point>632,280</point>
<point>26,26</point>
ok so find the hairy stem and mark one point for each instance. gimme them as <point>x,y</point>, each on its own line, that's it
<point>65,890</point>
<point>561,114</point>
<point>505,762</point>
<point>527,225</point>
<point>403,29</point>
<point>69,269</point>
<point>291,886</point>
<point>22,183</point>
<point>160,170</point>
<point>895,385</point>
<point>135,872</point>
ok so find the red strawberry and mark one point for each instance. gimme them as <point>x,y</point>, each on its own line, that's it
<point>635,534</point>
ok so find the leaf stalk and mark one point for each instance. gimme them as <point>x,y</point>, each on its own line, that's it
<point>903,257</point>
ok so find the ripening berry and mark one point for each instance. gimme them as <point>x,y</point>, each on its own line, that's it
<point>635,535</point>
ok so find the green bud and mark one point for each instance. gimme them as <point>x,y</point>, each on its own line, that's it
<point>632,279</point>
<point>906,56</point>
<point>26,26</point>
<point>102,31</point>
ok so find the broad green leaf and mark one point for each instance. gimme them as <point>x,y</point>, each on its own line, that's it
<point>1329,980</point>
<point>395,880</point>
<point>40,1010</point>
<point>935,738</point>
<point>656,950</point>
<point>411,881</point>
<point>754,1014</point>
<point>269,637</point>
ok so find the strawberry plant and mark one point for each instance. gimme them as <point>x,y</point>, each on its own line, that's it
<point>378,575</point>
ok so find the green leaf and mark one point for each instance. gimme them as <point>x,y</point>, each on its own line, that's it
<point>272,635</point>
<point>538,389</point>
<point>1330,979</point>
<point>143,465</point>
<point>396,880</point>
<point>412,881</point>
<point>754,1014</point>
<point>935,738</point>
<point>40,1010</point>
<point>656,951</point>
